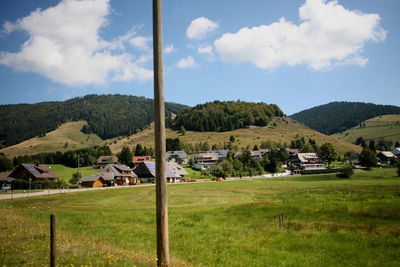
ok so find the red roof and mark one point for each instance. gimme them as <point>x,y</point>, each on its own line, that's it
<point>139,159</point>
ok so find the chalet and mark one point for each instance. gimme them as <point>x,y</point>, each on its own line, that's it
<point>396,152</point>
<point>306,161</point>
<point>221,154</point>
<point>35,172</point>
<point>177,169</point>
<point>102,161</point>
<point>203,161</point>
<point>146,172</point>
<point>111,175</point>
<point>179,157</point>
<point>136,160</point>
<point>386,156</point>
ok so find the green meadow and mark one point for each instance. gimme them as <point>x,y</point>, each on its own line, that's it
<point>327,222</point>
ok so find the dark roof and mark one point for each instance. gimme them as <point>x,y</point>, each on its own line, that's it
<point>4,177</point>
<point>92,178</point>
<point>37,171</point>
<point>118,169</point>
<point>181,154</point>
<point>148,170</point>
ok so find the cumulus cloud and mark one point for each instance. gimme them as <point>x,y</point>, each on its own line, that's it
<point>200,27</point>
<point>141,42</point>
<point>207,51</point>
<point>328,35</point>
<point>64,45</point>
<point>170,49</point>
<point>186,62</point>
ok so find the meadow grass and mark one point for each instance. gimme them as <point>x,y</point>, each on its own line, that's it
<point>327,222</point>
<point>65,173</point>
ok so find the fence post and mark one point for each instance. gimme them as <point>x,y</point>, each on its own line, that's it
<point>53,240</point>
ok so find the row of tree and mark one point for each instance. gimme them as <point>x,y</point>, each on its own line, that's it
<point>382,145</point>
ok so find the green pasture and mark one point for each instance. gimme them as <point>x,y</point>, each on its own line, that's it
<point>327,222</point>
<point>65,173</point>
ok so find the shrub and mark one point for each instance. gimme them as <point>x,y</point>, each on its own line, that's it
<point>346,172</point>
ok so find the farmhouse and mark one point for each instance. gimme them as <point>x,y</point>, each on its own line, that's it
<point>306,161</point>
<point>111,175</point>
<point>396,152</point>
<point>146,171</point>
<point>221,154</point>
<point>203,161</point>
<point>102,161</point>
<point>179,157</point>
<point>35,172</point>
<point>386,156</point>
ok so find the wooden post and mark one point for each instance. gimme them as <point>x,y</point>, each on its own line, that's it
<point>160,147</point>
<point>53,240</point>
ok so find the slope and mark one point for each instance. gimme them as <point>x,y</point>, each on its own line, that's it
<point>386,127</point>
<point>337,117</point>
<point>67,137</point>
<point>283,131</point>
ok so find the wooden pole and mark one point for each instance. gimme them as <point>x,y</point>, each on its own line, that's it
<point>159,133</point>
<point>53,240</point>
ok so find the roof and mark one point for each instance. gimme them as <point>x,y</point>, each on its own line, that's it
<point>4,177</point>
<point>38,171</point>
<point>387,154</point>
<point>220,153</point>
<point>118,169</point>
<point>92,178</point>
<point>181,154</point>
<point>305,157</point>
<point>176,168</point>
<point>148,169</point>
<point>211,156</point>
<point>396,151</point>
<point>107,159</point>
<point>138,159</point>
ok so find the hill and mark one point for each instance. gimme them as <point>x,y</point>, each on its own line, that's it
<point>337,117</point>
<point>282,130</point>
<point>220,116</point>
<point>386,127</point>
<point>66,137</point>
<point>108,116</point>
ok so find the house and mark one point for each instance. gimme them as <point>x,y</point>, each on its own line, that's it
<point>396,152</point>
<point>177,169</point>
<point>386,156</point>
<point>354,159</point>
<point>203,161</point>
<point>221,154</point>
<point>293,151</point>
<point>180,157</point>
<point>102,161</point>
<point>35,172</point>
<point>255,154</point>
<point>139,159</point>
<point>146,172</point>
<point>97,180</point>
<point>111,175</point>
<point>306,161</point>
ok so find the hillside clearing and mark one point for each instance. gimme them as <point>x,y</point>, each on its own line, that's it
<point>385,127</point>
<point>327,222</point>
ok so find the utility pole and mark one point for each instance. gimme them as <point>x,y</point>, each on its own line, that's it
<point>160,147</point>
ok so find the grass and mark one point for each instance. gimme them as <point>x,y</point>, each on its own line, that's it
<point>327,222</point>
<point>65,173</point>
<point>385,127</point>
<point>285,131</point>
<point>69,132</point>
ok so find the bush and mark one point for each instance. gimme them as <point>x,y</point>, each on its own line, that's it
<point>346,172</point>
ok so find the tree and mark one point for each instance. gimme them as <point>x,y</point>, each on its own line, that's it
<point>346,172</point>
<point>5,163</point>
<point>139,150</point>
<point>328,153</point>
<point>125,156</point>
<point>232,139</point>
<point>75,178</point>
<point>372,145</point>
<point>368,158</point>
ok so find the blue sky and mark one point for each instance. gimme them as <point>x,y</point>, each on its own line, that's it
<point>294,53</point>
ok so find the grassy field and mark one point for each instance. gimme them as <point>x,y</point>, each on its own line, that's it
<point>284,131</point>
<point>385,127</point>
<point>69,132</point>
<point>327,222</point>
<point>65,173</point>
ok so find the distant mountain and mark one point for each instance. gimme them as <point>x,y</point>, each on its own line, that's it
<point>219,116</point>
<point>337,117</point>
<point>108,116</point>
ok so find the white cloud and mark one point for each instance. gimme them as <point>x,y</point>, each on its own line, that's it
<point>64,45</point>
<point>141,42</point>
<point>200,27</point>
<point>186,62</point>
<point>207,51</point>
<point>328,35</point>
<point>170,49</point>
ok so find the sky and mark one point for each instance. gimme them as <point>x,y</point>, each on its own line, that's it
<point>293,53</point>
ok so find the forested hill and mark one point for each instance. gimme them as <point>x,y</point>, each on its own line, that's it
<point>336,117</point>
<point>226,116</point>
<point>107,116</point>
